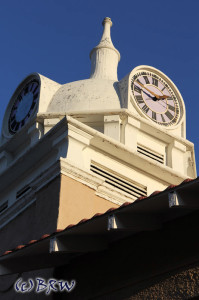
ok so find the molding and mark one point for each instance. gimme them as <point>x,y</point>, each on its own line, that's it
<point>113,195</point>
<point>117,149</point>
<point>71,170</point>
<point>66,168</point>
<point>123,112</point>
<point>91,138</point>
<point>87,178</point>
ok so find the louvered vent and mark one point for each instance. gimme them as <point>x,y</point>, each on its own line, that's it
<point>151,154</point>
<point>3,206</point>
<point>120,183</point>
<point>23,191</point>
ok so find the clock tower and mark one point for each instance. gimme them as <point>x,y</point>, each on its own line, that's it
<point>69,151</point>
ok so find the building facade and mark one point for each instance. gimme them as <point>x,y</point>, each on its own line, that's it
<point>71,151</point>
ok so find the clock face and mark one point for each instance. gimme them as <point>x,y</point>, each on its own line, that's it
<point>24,106</point>
<point>155,98</point>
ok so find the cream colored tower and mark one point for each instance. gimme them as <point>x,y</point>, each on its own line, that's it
<point>96,132</point>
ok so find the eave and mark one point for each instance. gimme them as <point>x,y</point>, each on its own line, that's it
<point>97,233</point>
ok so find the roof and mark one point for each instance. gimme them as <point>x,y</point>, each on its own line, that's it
<point>144,214</point>
<point>86,95</point>
<point>101,91</point>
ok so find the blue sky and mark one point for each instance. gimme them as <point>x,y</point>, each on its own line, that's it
<point>54,38</point>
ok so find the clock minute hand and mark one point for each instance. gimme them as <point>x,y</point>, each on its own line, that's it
<point>157,96</point>
<point>154,94</point>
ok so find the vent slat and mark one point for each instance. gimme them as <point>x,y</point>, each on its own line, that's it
<point>160,161</point>
<point>22,191</point>
<point>133,193</point>
<point>3,206</point>
<point>151,154</point>
<point>116,180</point>
<point>119,183</point>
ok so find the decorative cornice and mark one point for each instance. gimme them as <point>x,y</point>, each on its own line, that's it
<point>102,189</point>
<point>67,168</point>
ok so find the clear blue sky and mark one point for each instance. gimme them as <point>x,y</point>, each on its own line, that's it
<point>54,38</point>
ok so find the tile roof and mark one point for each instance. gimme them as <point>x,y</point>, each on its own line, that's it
<point>45,236</point>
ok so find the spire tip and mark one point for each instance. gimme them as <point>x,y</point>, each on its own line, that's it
<point>107,20</point>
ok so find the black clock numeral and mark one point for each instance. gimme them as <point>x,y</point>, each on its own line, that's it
<point>171,107</point>
<point>35,96</point>
<point>145,108</point>
<point>19,98</point>
<point>32,86</point>
<point>35,88</point>
<point>15,107</point>
<point>146,79</point>
<point>137,89</point>
<point>169,98</point>
<point>163,88</point>
<point>35,91</point>
<point>154,116</point>
<point>14,125</point>
<point>17,126</point>
<point>13,122</point>
<point>154,81</point>
<point>32,106</point>
<point>139,99</point>
<point>169,115</point>
<point>12,118</point>
<point>163,119</point>
<point>29,87</point>
<point>26,89</point>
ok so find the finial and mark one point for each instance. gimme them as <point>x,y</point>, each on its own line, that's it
<point>105,57</point>
<point>107,19</point>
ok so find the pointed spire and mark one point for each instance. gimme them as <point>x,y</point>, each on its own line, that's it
<point>105,57</point>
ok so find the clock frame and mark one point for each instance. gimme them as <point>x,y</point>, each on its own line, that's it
<point>25,101</point>
<point>156,97</point>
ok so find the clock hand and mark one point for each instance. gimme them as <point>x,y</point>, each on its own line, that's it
<point>163,97</point>
<point>153,98</point>
<point>158,97</point>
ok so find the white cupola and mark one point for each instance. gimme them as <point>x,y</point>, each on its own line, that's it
<point>101,91</point>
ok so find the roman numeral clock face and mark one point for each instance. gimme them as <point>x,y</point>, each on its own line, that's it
<point>156,99</point>
<point>24,106</point>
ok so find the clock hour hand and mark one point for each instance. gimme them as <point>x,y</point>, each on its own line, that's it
<point>158,97</point>
<point>163,97</point>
